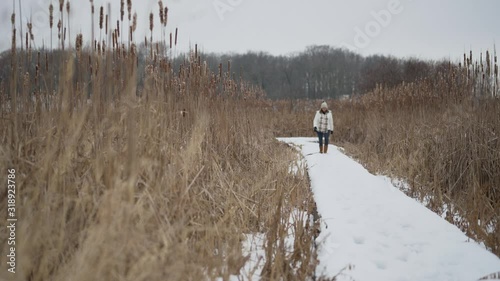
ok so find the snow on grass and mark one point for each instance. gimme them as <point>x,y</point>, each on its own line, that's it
<point>253,247</point>
<point>371,230</point>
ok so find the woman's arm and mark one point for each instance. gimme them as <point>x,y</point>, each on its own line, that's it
<point>316,120</point>
<point>330,121</point>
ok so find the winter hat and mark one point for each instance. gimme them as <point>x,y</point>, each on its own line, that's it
<point>324,105</point>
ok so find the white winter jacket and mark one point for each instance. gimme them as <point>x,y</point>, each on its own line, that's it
<point>330,120</point>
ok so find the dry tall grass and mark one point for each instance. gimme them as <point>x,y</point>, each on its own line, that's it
<point>446,147</point>
<point>145,174</point>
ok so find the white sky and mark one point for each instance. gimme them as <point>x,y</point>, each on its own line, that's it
<point>418,28</point>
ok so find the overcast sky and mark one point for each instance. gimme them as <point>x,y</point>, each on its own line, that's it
<point>417,28</point>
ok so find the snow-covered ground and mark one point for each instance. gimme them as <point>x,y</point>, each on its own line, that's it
<point>375,232</point>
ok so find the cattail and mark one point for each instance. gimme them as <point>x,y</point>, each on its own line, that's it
<point>51,15</point>
<point>14,40</point>
<point>47,62</point>
<point>133,49</point>
<point>170,40</point>
<point>68,7</point>
<point>13,19</point>
<point>129,9</point>
<point>151,19</point>
<point>122,9</point>
<point>61,5</point>
<point>166,17</point>
<point>30,30</point>
<point>134,22</point>
<point>26,41</point>
<point>101,17</point>
<point>59,25</point>
<point>118,28</point>
<point>488,63</point>
<point>162,18</point>
<point>146,41</point>
<point>195,50</point>
<point>79,42</point>
<point>106,24</point>
<point>176,36</point>
<point>92,9</point>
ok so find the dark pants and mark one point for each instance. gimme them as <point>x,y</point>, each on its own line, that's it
<point>321,136</point>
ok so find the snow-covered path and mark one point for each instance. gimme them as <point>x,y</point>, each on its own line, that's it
<point>385,235</point>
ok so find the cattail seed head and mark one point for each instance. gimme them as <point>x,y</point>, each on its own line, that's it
<point>166,17</point>
<point>162,15</point>
<point>51,15</point>
<point>129,9</point>
<point>134,22</point>
<point>106,24</point>
<point>61,5</point>
<point>101,17</point>
<point>13,40</point>
<point>79,42</point>
<point>30,30</point>
<point>118,28</point>
<point>151,20</point>
<point>68,7</point>
<point>176,32</point>
<point>122,9</point>
<point>133,49</point>
<point>170,40</point>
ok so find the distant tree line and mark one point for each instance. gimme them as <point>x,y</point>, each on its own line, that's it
<point>322,71</point>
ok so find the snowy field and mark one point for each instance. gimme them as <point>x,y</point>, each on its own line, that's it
<point>373,231</point>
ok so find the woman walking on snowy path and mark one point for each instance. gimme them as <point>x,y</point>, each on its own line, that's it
<point>323,126</point>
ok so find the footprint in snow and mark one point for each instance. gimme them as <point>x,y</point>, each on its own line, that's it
<point>380,264</point>
<point>360,240</point>
<point>403,257</point>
